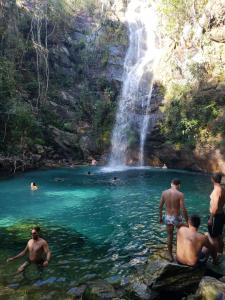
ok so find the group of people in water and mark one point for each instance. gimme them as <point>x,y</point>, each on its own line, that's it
<point>193,248</point>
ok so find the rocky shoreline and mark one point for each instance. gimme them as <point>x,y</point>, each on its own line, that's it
<point>158,279</point>
<point>13,165</point>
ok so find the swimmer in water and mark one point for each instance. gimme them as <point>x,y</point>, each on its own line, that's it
<point>33,186</point>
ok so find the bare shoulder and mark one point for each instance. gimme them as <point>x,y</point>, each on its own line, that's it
<point>30,242</point>
<point>182,228</point>
<point>43,242</point>
<point>180,194</point>
<point>166,192</point>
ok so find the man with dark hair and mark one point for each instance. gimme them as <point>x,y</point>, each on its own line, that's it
<point>38,250</point>
<point>193,248</point>
<point>174,202</point>
<point>217,216</point>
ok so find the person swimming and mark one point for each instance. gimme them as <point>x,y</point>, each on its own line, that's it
<point>93,162</point>
<point>33,186</point>
<point>58,179</point>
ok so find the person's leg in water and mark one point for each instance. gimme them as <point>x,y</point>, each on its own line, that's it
<point>170,229</point>
<point>23,267</point>
<point>40,267</point>
<point>215,242</point>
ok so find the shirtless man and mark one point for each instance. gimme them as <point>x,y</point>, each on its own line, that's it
<point>217,216</point>
<point>193,247</point>
<point>174,201</point>
<point>38,250</point>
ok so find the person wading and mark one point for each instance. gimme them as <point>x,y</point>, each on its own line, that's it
<point>37,249</point>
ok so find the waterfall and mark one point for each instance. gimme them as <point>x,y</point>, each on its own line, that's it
<point>132,116</point>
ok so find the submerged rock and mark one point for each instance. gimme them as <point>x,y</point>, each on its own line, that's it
<point>99,290</point>
<point>77,291</point>
<point>211,289</point>
<point>163,276</point>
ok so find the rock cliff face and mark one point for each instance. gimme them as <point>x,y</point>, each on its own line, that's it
<point>191,71</point>
<point>84,54</point>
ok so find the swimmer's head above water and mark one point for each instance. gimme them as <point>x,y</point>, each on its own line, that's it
<point>33,186</point>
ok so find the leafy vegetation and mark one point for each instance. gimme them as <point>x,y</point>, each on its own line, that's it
<point>176,13</point>
<point>35,70</point>
<point>190,117</point>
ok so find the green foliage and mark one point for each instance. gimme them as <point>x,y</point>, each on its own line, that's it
<point>187,117</point>
<point>114,33</point>
<point>199,71</point>
<point>175,13</point>
<point>49,117</point>
<point>21,126</point>
<point>62,10</point>
<point>22,121</point>
<point>7,82</point>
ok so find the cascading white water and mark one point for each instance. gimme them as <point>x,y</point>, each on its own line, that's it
<point>133,112</point>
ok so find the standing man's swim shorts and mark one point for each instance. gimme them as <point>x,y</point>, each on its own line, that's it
<point>173,220</point>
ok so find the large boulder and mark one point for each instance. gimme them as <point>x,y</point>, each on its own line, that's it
<point>211,289</point>
<point>164,276</point>
<point>64,141</point>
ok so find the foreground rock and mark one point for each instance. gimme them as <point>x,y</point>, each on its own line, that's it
<point>217,270</point>
<point>211,289</point>
<point>163,276</point>
<point>140,291</point>
<point>99,290</point>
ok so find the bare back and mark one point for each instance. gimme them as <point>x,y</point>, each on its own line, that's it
<point>217,200</point>
<point>172,198</point>
<point>189,245</point>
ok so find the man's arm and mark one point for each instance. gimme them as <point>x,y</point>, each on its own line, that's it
<point>48,254</point>
<point>211,249</point>
<point>162,201</point>
<point>22,253</point>
<point>183,208</point>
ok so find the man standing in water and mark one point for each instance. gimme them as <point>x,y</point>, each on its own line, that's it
<point>38,250</point>
<point>174,202</point>
<point>217,216</point>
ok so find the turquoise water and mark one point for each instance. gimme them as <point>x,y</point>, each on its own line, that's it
<point>96,228</point>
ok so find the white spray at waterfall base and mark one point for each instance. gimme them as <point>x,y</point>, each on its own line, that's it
<point>132,117</point>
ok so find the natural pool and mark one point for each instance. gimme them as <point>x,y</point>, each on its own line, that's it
<point>96,228</point>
